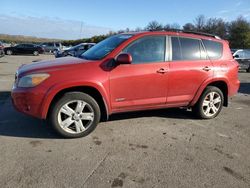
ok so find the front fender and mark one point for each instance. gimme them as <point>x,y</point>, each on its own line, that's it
<point>55,89</point>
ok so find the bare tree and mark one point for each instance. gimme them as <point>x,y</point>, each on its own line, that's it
<point>216,26</point>
<point>200,22</point>
<point>153,26</point>
<point>189,27</point>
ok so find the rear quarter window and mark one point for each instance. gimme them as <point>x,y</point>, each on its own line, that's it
<point>214,49</point>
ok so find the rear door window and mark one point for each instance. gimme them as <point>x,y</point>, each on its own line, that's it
<point>187,49</point>
<point>190,49</point>
<point>214,49</point>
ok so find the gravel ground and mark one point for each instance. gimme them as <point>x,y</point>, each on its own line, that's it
<point>160,148</point>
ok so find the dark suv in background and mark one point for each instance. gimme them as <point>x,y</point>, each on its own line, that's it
<point>243,58</point>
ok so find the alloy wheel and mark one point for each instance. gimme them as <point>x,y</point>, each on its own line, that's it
<point>76,116</point>
<point>211,104</point>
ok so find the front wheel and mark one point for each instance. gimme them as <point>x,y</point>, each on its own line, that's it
<point>210,103</point>
<point>75,115</point>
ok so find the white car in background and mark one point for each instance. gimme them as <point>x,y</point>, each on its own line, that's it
<point>242,56</point>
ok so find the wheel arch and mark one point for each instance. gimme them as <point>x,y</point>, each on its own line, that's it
<point>220,83</point>
<point>90,90</point>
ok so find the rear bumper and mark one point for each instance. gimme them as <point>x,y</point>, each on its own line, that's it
<point>234,88</point>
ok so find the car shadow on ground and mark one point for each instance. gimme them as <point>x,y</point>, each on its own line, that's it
<point>244,88</point>
<point>175,113</point>
<point>15,124</point>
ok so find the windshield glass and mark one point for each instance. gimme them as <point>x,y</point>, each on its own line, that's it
<point>105,47</point>
<point>75,47</point>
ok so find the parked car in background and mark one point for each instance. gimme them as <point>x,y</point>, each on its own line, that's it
<point>1,49</point>
<point>24,49</point>
<point>75,50</point>
<point>129,72</point>
<point>52,47</point>
<point>243,58</point>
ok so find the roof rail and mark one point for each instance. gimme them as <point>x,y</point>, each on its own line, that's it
<point>202,33</point>
<point>192,32</point>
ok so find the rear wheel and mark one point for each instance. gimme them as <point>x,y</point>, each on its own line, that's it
<point>210,103</point>
<point>75,115</point>
<point>9,52</point>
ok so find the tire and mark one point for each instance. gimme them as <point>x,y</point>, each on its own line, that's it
<point>35,53</point>
<point>77,124</point>
<point>248,69</point>
<point>206,108</point>
<point>9,52</point>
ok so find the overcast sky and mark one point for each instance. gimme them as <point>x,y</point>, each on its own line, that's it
<point>74,19</point>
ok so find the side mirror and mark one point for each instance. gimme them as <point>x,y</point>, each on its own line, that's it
<point>236,56</point>
<point>124,58</point>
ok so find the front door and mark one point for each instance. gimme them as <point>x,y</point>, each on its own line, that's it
<point>144,82</point>
<point>189,68</point>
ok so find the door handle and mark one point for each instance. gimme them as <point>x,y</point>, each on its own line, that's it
<point>206,68</point>
<point>162,71</point>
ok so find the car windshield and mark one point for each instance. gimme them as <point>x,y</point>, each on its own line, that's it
<point>105,47</point>
<point>75,47</point>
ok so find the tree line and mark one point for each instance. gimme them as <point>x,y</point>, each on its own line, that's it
<point>237,32</point>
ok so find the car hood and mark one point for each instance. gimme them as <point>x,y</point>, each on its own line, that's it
<point>44,66</point>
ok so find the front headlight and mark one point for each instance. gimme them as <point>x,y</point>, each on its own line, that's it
<point>32,80</point>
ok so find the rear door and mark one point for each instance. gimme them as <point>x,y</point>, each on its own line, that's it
<point>30,48</point>
<point>189,68</point>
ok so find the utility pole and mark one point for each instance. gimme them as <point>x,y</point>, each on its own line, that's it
<point>81,30</point>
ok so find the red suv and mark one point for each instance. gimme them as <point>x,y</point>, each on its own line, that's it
<point>129,72</point>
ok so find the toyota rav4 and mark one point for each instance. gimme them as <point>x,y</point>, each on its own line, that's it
<point>129,72</point>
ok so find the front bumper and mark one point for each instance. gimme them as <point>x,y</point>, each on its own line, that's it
<point>27,101</point>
